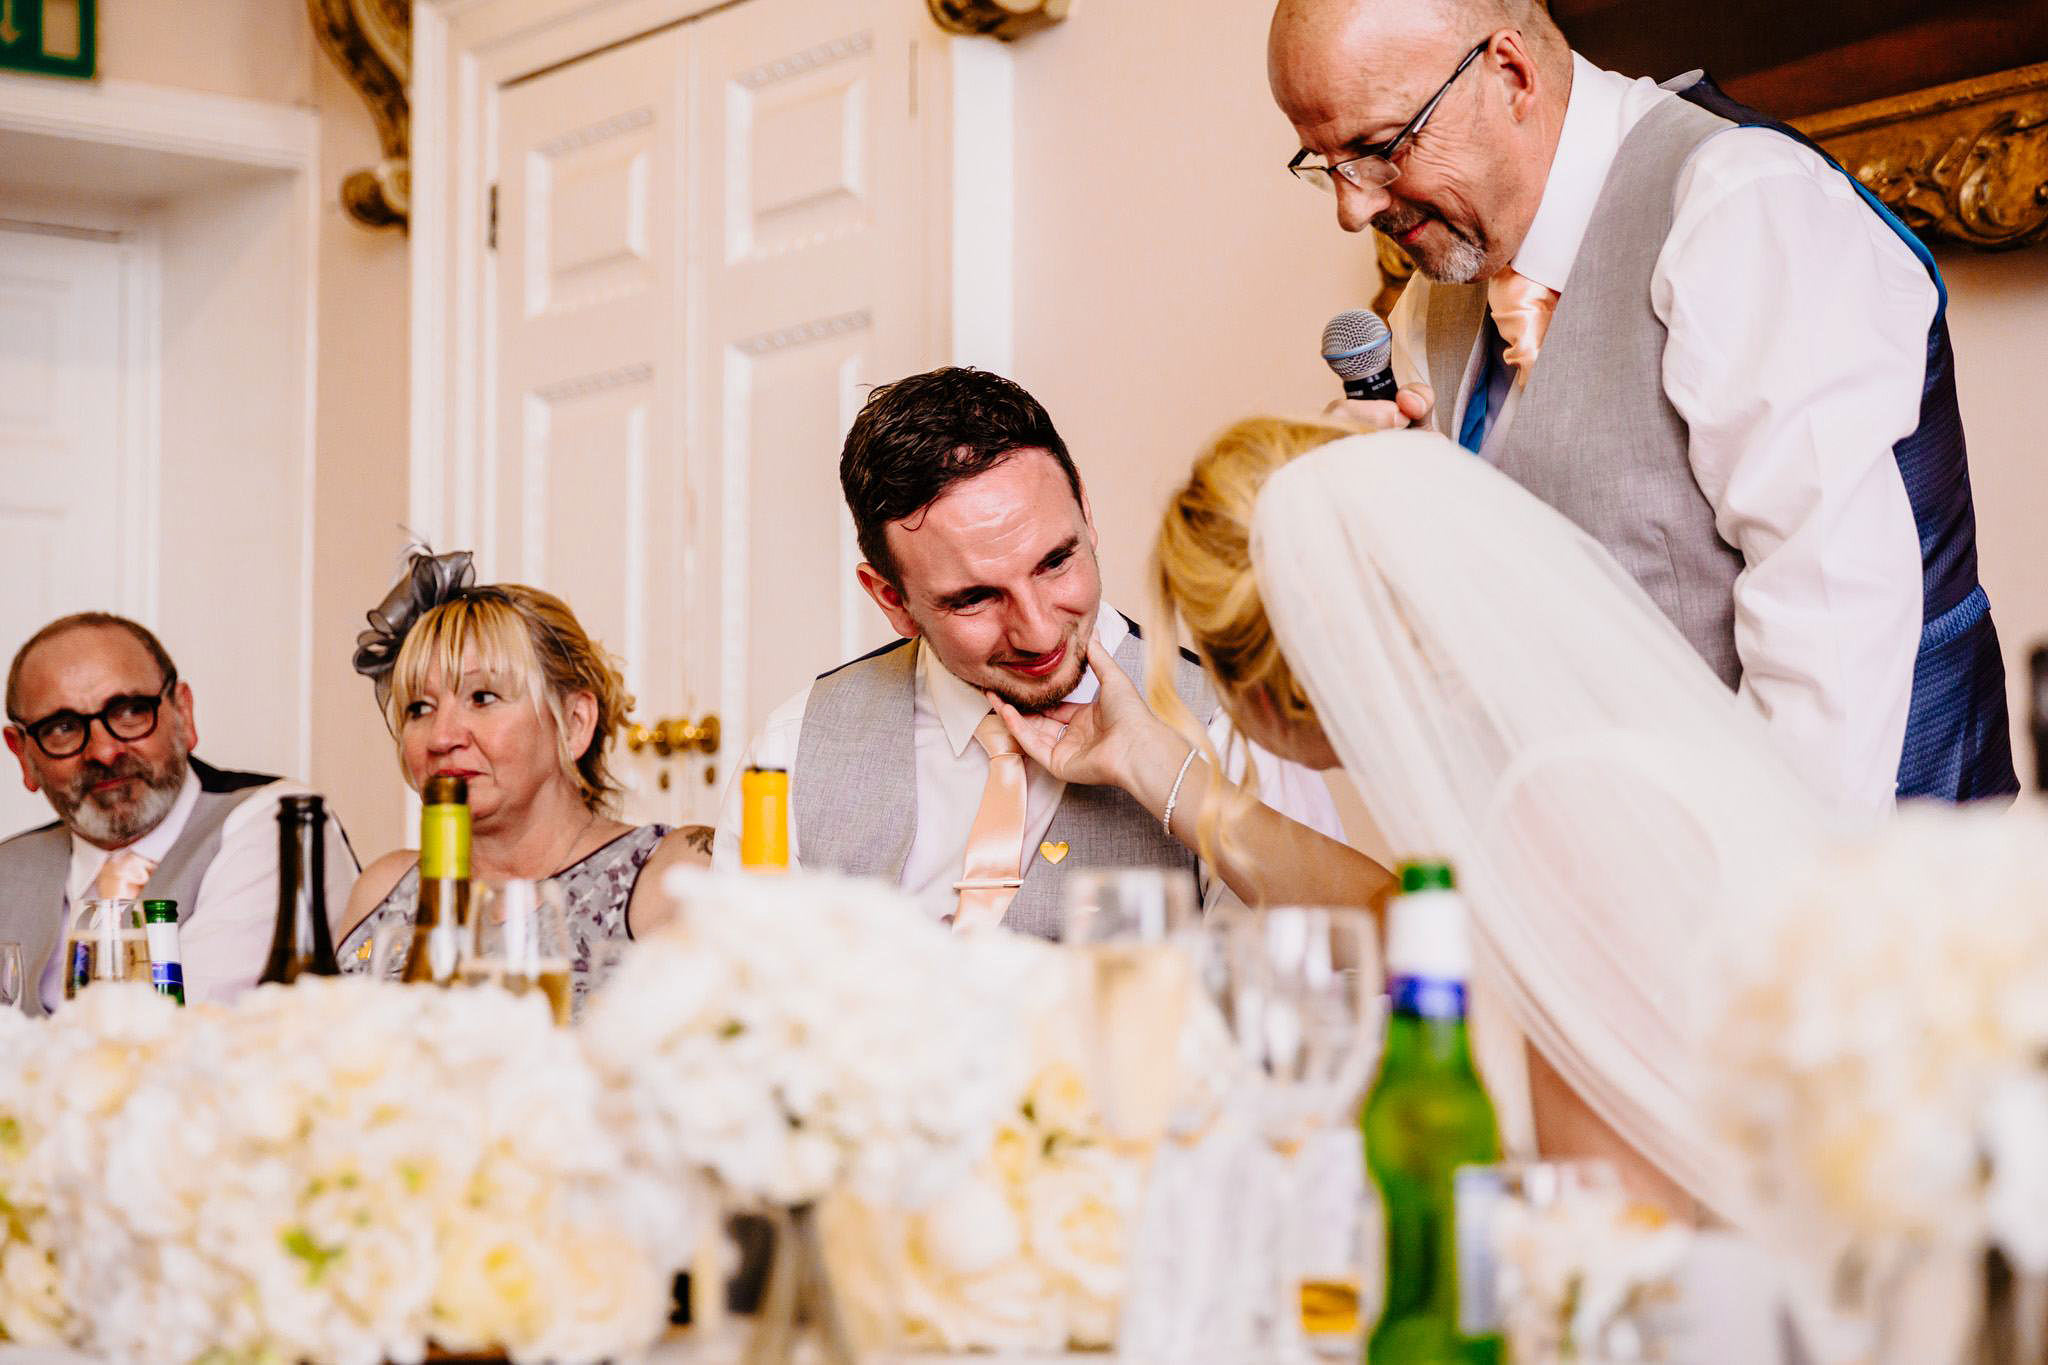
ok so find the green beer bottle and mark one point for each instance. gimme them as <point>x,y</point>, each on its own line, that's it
<point>1426,1117</point>
<point>166,963</point>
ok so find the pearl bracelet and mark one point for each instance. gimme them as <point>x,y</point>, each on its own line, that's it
<point>1173,797</point>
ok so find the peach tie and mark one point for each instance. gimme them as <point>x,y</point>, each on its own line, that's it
<point>1521,310</point>
<point>122,876</point>
<point>988,876</point>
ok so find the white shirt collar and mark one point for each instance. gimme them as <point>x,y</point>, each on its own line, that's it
<point>87,858</point>
<point>961,706</point>
<point>1596,118</point>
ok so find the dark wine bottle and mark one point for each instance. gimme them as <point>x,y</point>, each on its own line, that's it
<point>300,945</point>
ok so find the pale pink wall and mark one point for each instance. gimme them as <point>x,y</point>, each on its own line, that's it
<point>1998,318</point>
<point>265,50</point>
<point>1171,276</point>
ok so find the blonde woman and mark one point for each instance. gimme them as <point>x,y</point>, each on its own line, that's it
<point>501,685</point>
<point>1501,692</point>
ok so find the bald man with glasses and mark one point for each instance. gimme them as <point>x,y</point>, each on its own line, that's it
<point>104,729</point>
<point>1684,327</point>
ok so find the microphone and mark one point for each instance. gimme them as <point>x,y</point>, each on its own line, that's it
<point>1358,346</point>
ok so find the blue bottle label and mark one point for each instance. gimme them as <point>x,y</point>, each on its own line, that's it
<point>1427,998</point>
<point>167,974</point>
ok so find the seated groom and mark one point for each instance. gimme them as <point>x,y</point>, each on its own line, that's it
<point>1003,742</point>
<point>104,729</point>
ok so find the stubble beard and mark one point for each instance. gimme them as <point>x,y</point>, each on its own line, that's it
<point>1043,696</point>
<point>1460,262</point>
<point>121,820</point>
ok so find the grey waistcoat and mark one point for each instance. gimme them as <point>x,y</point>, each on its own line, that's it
<point>854,789</point>
<point>34,867</point>
<point>1593,434</point>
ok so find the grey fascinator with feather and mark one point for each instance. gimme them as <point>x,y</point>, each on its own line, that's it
<point>429,580</point>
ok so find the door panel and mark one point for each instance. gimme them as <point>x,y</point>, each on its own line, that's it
<point>65,503</point>
<point>710,248</point>
<point>583,489</point>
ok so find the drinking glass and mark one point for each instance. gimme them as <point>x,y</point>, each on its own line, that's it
<point>1303,1008</point>
<point>1138,927</point>
<point>518,940</point>
<point>105,941</point>
<point>11,987</point>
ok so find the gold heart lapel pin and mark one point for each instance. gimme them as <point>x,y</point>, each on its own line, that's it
<point>1054,853</point>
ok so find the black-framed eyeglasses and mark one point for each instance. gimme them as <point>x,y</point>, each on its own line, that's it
<point>133,716</point>
<point>1374,167</point>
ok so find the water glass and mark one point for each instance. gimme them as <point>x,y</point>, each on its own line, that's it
<point>105,941</point>
<point>518,940</point>
<point>11,980</point>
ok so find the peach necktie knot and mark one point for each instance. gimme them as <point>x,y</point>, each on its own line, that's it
<point>1521,310</point>
<point>122,876</point>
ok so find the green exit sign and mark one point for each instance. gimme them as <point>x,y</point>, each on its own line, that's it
<point>50,37</point>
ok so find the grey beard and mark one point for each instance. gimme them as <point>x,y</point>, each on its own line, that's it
<point>1460,264</point>
<point>123,824</point>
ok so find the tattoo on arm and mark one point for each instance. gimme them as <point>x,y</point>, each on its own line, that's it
<point>698,837</point>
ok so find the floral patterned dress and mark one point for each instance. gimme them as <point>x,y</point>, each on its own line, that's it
<point>596,891</point>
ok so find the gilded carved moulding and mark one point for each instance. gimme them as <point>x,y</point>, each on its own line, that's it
<point>371,41</point>
<point>1965,163</point>
<point>1005,19</point>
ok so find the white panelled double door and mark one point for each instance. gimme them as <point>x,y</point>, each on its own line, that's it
<point>708,245</point>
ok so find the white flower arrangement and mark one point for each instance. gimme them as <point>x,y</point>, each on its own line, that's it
<point>1876,1004</point>
<point>342,1171</point>
<point>1028,1254</point>
<point>792,1036</point>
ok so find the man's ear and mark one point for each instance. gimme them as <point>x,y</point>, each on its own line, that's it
<point>1518,67</point>
<point>181,697</point>
<point>889,598</point>
<point>1088,518</point>
<point>17,744</point>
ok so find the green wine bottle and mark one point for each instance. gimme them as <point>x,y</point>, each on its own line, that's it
<point>1427,1117</point>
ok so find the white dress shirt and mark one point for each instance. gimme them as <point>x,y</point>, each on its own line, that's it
<point>1797,348</point>
<point>952,770</point>
<point>224,936</point>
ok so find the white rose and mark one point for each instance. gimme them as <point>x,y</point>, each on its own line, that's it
<point>1080,1210</point>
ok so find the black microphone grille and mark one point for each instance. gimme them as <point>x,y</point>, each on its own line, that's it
<point>1356,344</point>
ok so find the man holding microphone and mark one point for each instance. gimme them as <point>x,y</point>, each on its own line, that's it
<point>1690,332</point>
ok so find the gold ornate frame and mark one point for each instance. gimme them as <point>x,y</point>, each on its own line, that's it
<point>371,41</point>
<point>1963,163</point>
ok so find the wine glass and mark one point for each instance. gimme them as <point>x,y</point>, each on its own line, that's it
<point>1303,1009</point>
<point>11,988</point>
<point>518,940</point>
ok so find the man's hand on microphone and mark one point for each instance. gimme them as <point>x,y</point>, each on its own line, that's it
<point>1410,407</point>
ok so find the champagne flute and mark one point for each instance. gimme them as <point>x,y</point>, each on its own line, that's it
<point>11,987</point>
<point>1135,926</point>
<point>518,940</point>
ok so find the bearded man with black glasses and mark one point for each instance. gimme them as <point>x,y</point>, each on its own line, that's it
<point>104,729</point>
<point>1680,324</point>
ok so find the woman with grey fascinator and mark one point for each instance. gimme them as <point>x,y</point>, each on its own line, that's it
<point>500,685</point>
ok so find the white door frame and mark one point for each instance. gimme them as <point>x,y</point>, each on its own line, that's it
<point>237,135</point>
<point>462,49</point>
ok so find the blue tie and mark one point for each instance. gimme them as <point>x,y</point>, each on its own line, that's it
<point>1479,408</point>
